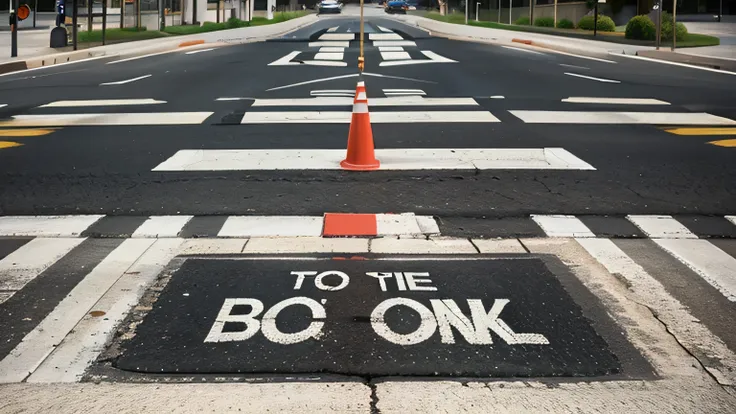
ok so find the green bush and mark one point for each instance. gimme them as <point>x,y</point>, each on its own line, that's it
<point>667,28</point>
<point>544,22</point>
<point>565,24</point>
<point>605,23</point>
<point>641,28</point>
<point>522,21</point>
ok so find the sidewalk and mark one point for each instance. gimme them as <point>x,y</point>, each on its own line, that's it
<point>35,55</point>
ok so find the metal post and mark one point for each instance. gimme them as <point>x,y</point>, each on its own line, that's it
<point>477,10</point>
<point>556,13</point>
<point>511,6</point>
<point>361,58</point>
<point>674,24</point>
<point>14,29</point>
<point>466,11</point>
<point>595,22</point>
<point>659,25</point>
<point>138,14</point>
<point>194,11</point>
<point>218,11</point>
<point>162,15</point>
<point>531,12</point>
<point>104,20</point>
<point>720,11</point>
<point>89,15</point>
<point>499,11</point>
<point>35,12</point>
<point>74,24</point>
<point>122,14</point>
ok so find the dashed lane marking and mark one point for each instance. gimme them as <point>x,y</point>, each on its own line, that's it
<point>150,118</point>
<point>592,78</point>
<point>614,101</point>
<point>123,82</point>
<point>9,144</point>
<point>102,102</point>
<point>724,143</point>
<point>340,117</point>
<point>605,117</point>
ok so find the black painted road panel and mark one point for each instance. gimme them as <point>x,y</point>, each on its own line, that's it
<point>171,338</point>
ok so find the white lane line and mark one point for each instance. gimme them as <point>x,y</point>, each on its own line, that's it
<point>562,226</point>
<point>286,60</point>
<point>3,105</point>
<point>644,118</point>
<point>27,262</point>
<point>669,310</point>
<point>615,101</point>
<point>150,118</point>
<point>661,227</point>
<point>379,43</point>
<point>674,63</point>
<point>328,56</point>
<point>332,29</point>
<point>390,49</point>
<point>234,98</point>
<point>123,82</point>
<point>115,62</point>
<point>329,43</point>
<point>395,55</point>
<point>352,75</point>
<point>384,36</point>
<point>194,52</point>
<point>325,63</point>
<point>524,50</point>
<point>102,102</point>
<point>162,226</point>
<point>391,159</point>
<point>406,99</point>
<point>498,97</point>
<point>41,341</point>
<point>337,117</point>
<point>398,94</point>
<point>592,78</point>
<point>337,36</point>
<point>69,360</point>
<point>711,263</point>
<point>332,92</point>
<point>266,226</point>
<point>46,226</point>
<point>581,56</point>
<point>574,66</point>
<point>732,219</point>
<point>331,49</point>
<point>58,64</point>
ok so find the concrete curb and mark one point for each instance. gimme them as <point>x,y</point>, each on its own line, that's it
<point>144,47</point>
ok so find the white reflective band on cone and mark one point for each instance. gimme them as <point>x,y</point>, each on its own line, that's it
<point>362,96</point>
<point>360,108</point>
<point>361,83</point>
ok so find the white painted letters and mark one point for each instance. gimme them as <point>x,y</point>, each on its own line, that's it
<point>449,315</point>
<point>300,277</point>
<point>490,321</point>
<point>251,324</point>
<point>322,286</point>
<point>412,279</point>
<point>273,334</point>
<point>426,328</point>
<point>380,276</point>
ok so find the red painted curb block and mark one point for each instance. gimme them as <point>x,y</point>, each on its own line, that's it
<point>191,43</point>
<point>340,225</point>
<point>524,41</point>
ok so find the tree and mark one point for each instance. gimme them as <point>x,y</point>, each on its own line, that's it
<point>443,7</point>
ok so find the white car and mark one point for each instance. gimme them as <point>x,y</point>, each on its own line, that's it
<point>330,6</point>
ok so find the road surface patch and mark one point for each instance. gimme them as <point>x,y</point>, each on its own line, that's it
<point>424,316</point>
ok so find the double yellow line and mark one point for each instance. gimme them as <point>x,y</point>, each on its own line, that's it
<point>21,133</point>
<point>708,131</point>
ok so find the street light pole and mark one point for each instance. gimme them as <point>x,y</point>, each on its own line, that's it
<point>674,24</point>
<point>466,11</point>
<point>477,8</point>
<point>511,6</point>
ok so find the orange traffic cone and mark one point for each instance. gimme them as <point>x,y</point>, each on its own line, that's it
<point>361,156</point>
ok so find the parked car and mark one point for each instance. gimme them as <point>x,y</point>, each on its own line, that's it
<point>329,6</point>
<point>395,6</point>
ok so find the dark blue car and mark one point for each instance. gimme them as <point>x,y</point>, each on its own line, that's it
<point>397,7</point>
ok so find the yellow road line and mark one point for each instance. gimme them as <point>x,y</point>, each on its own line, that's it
<point>9,144</point>
<point>724,143</point>
<point>702,131</point>
<point>25,132</point>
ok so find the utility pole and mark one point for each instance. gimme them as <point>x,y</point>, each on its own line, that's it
<point>477,9</point>
<point>122,14</point>
<point>674,24</point>
<point>466,11</point>
<point>89,16</point>
<point>194,11</point>
<point>74,24</point>
<point>658,7</point>
<point>511,6</point>
<point>138,14</point>
<point>104,20</point>
<point>499,10</point>
<point>595,22</point>
<point>556,12</point>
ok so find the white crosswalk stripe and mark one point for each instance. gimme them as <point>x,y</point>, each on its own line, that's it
<point>68,339</point>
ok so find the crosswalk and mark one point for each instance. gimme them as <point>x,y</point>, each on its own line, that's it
<point>332,49</point>
<point>108,275</point>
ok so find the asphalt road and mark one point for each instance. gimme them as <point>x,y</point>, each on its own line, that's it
<point>107,169</point>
